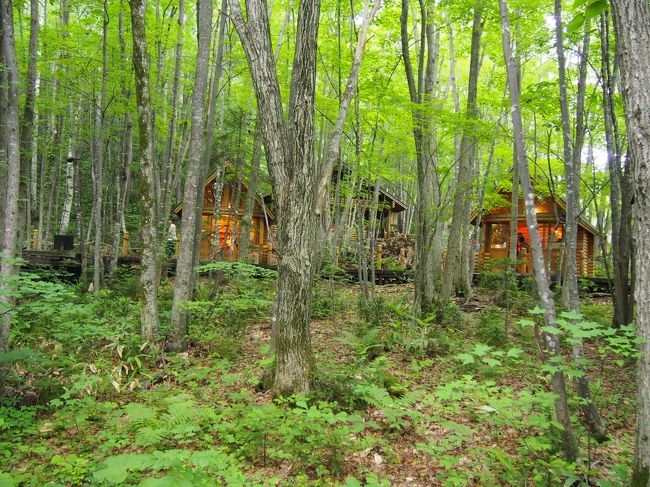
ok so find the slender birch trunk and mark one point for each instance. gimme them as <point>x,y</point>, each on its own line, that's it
<point>27,126</point>
<point>193,184</point>
<point>466,156</point>
<point>569,442</point>
<point>98,193</point>
<point>428,245</point>
<point>572,156</point>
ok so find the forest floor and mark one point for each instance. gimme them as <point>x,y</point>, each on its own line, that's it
<point>395,402</point>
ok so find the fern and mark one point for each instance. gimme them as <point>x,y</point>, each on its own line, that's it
<point>140,414</point>
<point>149,436</point>
<point>183,467</point>
<point>364,345</point>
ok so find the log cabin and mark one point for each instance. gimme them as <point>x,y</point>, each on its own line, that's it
<point>551,217</point>
<point>224,245</point>
<point>220,237</point>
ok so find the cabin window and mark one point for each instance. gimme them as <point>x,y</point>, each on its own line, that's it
<point>499,236</point>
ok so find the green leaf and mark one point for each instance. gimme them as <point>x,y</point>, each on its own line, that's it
<point>6,480</point>
<point>351,482</point>
<point>536,311</point>
<point>491,362</point>
<point>481,349</point>
<point>514,352</point>
<point>552,330</point>
<point>116,469</point>
<point>576,23</point>
<point>466,358</point>
<point>571,315</point>
<point>594,9</point>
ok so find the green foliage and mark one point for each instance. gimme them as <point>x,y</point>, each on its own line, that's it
<point>622,342</point>
<point>127,282</point>
<point>324,302</point>
<point>602,314</point>
<point>314,438</point>
<point>70,468</point>
<point>375,311</point>
<point>451,314</point>
<point>418,337</point>
<point>366,342</point>
<point>181,467</point>
<point>237,270</point>
<point>491,326</point>
<point>122,413</point>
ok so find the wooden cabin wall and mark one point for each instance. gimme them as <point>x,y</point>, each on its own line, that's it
<point>547,212</point>
<point>259,247</point>
<point>585,252</point>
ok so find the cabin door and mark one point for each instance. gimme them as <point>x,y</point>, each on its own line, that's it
<point>498,246</point>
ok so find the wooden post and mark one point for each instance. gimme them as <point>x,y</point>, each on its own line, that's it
<point>125,244</point>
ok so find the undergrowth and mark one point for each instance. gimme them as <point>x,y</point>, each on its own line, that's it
<point>460,402</point>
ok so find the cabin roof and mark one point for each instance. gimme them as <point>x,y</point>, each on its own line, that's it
<point>179,207</point>
<point>491,216</point>
<point>397,204</point>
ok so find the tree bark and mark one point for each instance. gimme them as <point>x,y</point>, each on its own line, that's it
<point>10,241</point>
<point>150,250</point>
<point>98,193</point>
<point>169,166</point>
<point>193,183</point>
<point>428,244</point>
<point>572,157</point>
<point>632,27</point>
<point>569,442</point>
<point>28,124</point>
<point>467,154</point>
<point>253,180</point>
<point>620,199</point>
<point>290,155</point>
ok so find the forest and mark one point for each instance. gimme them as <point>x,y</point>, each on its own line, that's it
<point>323,243</point>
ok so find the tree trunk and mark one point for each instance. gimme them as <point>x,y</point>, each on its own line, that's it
<point>632,27</point>
<point>168,169</point>
<point>11,223</point>
<point>290,155</point>
<point>245,223</point>
<point>620,200</point>
<point>193,183</point>
<point>572,157</point>
<point>28,125</point>
<point>150,250</point>
<point>98,193</point>
<point>69,175</point>
<point>569,442</point>
<point>467,154</point>
<point>428,244</point>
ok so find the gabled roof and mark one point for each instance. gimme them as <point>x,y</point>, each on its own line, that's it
<point>397,204</point>
<point>214,175</point>
<point>558,201</point>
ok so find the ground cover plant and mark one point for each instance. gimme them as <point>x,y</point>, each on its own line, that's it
<point>395,401</point>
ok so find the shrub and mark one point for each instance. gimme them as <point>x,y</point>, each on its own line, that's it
<point>374,311</point>
<point>313,438</point>
<point>491,326</point>
<point>450,313</point>
<point>324,303</point>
